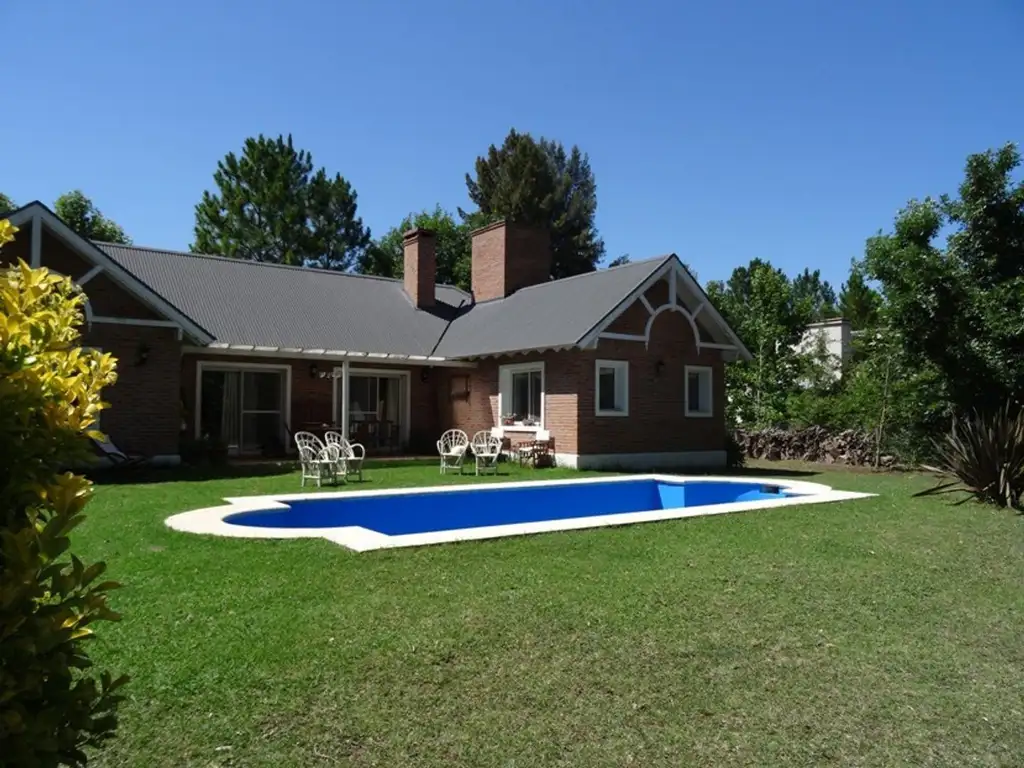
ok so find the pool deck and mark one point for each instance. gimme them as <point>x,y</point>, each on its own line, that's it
<point>212,521</point>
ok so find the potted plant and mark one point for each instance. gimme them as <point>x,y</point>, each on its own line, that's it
<point>508,420</point>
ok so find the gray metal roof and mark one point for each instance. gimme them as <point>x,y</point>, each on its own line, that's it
<point>555,314</point>
<point>244,302</point>
<point>249,303</point>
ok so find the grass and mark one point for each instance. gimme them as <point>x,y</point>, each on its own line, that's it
<point>883,632</point>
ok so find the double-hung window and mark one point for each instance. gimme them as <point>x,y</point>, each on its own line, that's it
<point>698,391</point>
<point>611,397</point>
<point>522,395</point>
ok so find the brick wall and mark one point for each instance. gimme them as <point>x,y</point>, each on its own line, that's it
<point>145,404</point>
<point>480,410</point>
<point>657,421</point>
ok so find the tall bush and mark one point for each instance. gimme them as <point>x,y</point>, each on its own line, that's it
<point>52,705</point>
<point>984,455</point>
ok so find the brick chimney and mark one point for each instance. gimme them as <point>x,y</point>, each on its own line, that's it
<point>420,270</point>
<point>507,257</point>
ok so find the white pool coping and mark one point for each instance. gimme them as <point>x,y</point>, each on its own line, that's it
<point>212,519</point>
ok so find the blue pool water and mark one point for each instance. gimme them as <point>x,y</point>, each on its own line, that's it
<point>476,506</point>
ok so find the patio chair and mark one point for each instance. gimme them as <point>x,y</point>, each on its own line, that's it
<point>318,461</point>
<point>351,454</point>
<point>486,450</point>
<point>452,448</point>
<point>538,451</point>
<point>115,455</point>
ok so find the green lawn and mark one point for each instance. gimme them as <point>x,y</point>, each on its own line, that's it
<point>883,631</point>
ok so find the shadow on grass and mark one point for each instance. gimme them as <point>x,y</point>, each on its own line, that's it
<point>144,475</point>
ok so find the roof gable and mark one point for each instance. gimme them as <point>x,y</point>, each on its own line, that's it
<point>39,216</point>
<point>548,315</point>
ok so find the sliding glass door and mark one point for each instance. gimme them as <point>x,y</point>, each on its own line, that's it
<point>243,409</point>
<point>376,409</point>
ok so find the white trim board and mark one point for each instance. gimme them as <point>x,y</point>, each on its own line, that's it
<point>677,275</point>
<point>327,355</point>
<point>213,521</point>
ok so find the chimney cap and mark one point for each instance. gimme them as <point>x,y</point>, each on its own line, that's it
<point>417,232</point>
<point>509,224</point>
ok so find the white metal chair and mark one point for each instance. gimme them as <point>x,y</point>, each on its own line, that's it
<point>486,451</point>
<point>318,462</point>
<point>351,454</point>
<point>452,448</point>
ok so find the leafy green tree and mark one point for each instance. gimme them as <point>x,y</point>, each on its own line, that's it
<point>536,181</point>
<point>859,302</point>
<point>272,206</point>
<point>80,214</point>
<point>759,302</point>
<point>960,308</point>
<point>819,294</point>
<point>620,261</point>
<point>6,203</point>
<point>385,256</point>
<point>52,705</point>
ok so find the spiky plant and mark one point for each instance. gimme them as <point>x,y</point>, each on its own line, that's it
<point>983,454</point>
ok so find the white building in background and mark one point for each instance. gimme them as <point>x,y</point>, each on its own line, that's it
<point>835,335</point>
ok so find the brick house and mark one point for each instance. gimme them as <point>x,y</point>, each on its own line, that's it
<point>623,366</point>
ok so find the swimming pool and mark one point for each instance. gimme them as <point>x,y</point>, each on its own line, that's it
<point>364,520</point>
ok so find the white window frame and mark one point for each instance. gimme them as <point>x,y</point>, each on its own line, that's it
<point>621,369</point>
<point>505,394</point>
<point>710,409</point>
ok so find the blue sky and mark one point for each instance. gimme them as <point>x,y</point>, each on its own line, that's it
<point>789,130</point>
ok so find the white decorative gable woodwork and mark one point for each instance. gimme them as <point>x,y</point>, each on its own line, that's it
<point>676,276</point>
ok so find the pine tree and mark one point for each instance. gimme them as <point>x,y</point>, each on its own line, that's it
<point>537,182</point>
<point>272,206</point>
<point>859,302</point>
<point>819,294</point>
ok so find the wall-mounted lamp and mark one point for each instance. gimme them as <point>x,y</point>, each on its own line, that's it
<point>142,354</point>
<point>424,374</point>
<point>659,367</point>
<point>313,371</point>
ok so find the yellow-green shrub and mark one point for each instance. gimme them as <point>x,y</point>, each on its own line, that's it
<point>51,704</point>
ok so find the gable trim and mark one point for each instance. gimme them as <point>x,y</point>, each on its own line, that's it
<point>39,214</point>
<point>674,270</point>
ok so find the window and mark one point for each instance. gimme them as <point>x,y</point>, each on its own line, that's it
<point>698,391</point>
<point>612,396</point>
<point>522,395</point>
